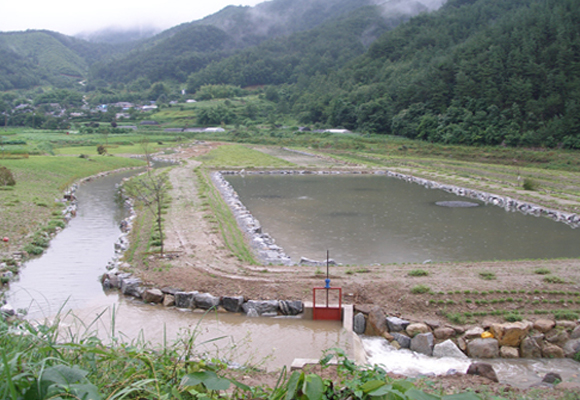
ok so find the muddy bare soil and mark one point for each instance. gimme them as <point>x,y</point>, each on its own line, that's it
<point>204,263</point>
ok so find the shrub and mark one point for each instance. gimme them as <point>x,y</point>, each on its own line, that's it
<point>456,318</point>
<point>102,150</point>
<point>513,317</point>
<point>418,272</point>
<point>554,279</point>
<point>542,271</point>
<point>34,250</point>
<point>566,314</point>
<point>420,289</point>
<point>6,177</point>
<point>488,276</point>
<point>530,184</point>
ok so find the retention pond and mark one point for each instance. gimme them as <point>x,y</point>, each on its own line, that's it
<point>366,219</point>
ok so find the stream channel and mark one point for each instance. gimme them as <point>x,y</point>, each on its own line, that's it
<point>66,279</point>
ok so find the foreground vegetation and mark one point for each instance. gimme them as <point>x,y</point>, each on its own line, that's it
<point>42,362</point>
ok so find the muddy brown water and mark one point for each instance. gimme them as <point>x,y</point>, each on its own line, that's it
<point>66,278</point>
<point>366,219</point>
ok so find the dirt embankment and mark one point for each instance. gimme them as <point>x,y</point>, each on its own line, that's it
<point>205,264</point>
<point>482,289</point>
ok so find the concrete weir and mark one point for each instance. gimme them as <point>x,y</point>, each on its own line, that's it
<point>356,351</point>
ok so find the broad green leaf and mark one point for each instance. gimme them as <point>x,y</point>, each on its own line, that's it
<point>313,387</point>
<point>216,383</point>
<point>196,378</point>
<point>372,385</point>
<point>415,394</point>
<point>86,391</point>
<point>240,385</point>
<point>461,396</point>
<point>388,392</point>
<point>63,375</point>
<point>293,384</point>
<point>403,385</point>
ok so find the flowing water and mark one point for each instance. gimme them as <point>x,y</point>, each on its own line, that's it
<point>366,219</point>
<point>521,373</point>
<point>66,278</point>
<point>67,274</point>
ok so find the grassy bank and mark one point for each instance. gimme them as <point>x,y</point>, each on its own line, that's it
<point>27,207</point>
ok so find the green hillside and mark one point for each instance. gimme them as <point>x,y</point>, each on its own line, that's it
<point>475,72</point>
<point>45,53</point>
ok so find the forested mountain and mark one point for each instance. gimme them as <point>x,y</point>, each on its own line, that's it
<point>33,58</point>
<point>301,55</point>
<point>493,72</point>
<point>475,72</point>
<point>188,48</point>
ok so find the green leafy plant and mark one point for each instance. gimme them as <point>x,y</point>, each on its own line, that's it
<point>488,276</point>
<point>418,272</point>
<point>542,271</point>
<point>554,279</point>
<point>420,289</point>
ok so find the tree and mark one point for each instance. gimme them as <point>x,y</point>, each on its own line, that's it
<point>6,177</point>
<point>152,190</point>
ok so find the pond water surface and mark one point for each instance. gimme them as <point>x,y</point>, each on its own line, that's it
<point>365,219</point>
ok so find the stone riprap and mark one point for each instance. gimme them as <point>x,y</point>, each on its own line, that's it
<point>131,286</point>
<point>266,250</point>
<point>526,339</point>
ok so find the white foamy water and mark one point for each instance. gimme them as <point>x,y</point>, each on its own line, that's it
<point>516,372</point>
<point>407,362</point>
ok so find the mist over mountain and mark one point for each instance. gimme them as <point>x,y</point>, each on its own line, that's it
<point>476,72</point>
<point>116,35</point>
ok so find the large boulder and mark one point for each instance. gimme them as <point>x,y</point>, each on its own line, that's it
<point>443,333</point>
<point>557,336</point>
<point>376,322</point>
<point>233,303</point>
<point>7,311</point>
<point>423,343</point>
<point>185,299</point>
<point>261,306</point>
<point>206,301</point>
<point>482,369</point>
<point>359,323</point>
<point>544,325</point>
<point>529,348</point>
<point>575,333</point>
<point>552,351</point>
<point>396,324</point>
<point>290,307</point>
<point>153,296</point>
<point>132,287</point>
<point>567,325</point>
<point>415,329</point>
<point>510,334</point>
<point>483,348</point>
<point>474,332</point>
<point>552,378</point>
<point>404,341</point>
<point>169,300</point>
<point>571,347</point>
<point>509,352</point>
<point>448,349</point>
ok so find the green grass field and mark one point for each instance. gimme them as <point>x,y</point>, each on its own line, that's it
<point>27,206</point>
<point>238,156</point>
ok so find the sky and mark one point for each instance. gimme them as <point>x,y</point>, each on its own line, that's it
<point>76,16</point>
